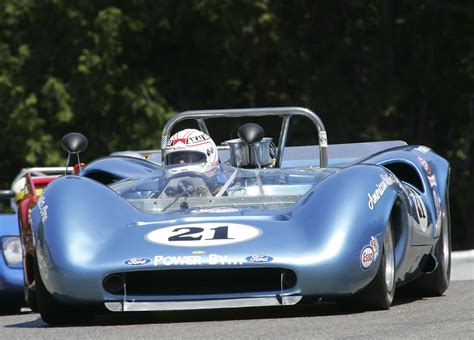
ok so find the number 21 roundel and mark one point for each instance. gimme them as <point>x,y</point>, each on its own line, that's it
<point>205,234</point>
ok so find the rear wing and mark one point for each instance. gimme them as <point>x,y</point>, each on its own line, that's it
<point>296,156</point>
<point>33,180</point>
<point>341,154</point>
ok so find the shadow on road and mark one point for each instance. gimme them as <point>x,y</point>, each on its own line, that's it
<point>300,311</point>
<point>13,309</point>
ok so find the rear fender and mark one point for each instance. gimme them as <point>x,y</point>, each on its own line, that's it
<point>109,169</point>
<point>433,171</point>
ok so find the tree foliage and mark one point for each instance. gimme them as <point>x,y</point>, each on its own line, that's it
<point>117,70</point>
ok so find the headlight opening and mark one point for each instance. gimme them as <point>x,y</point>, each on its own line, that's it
<point>12,251</point>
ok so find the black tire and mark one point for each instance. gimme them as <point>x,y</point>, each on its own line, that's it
<point>437,282</point>
<point>55,313</point>
<point>378,295</point>
<point>30,295</point>
<point>30,298</point>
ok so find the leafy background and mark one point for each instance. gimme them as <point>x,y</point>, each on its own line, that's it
<point>117,70</point>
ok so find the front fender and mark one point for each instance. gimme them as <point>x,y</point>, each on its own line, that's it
<point>72,220</point>
<point>350,209</point>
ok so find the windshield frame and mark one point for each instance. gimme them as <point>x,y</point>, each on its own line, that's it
<point>281,188</point>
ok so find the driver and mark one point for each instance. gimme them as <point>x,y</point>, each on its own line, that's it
<point>192,150</point>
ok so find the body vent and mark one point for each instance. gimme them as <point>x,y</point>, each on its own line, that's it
<point>406,173</point>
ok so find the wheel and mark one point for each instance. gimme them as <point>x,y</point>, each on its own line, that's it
<point>436,283</point>
<point>378,295</point>
<point>55,313</point>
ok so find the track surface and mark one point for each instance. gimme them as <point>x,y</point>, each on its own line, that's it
<point>450,316</point>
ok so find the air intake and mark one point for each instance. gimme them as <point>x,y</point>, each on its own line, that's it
<point>202,281</point>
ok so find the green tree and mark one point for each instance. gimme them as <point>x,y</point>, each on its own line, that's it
<point>117,71</point>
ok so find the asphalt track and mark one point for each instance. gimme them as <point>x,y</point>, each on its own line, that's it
<point>450,316</point>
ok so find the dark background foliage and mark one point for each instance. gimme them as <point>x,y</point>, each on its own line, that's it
<point>117,70</point>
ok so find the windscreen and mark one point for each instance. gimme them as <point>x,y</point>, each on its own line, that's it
<point>169,189</point>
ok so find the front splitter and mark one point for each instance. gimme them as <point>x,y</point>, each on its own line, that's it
<point>133,306</point>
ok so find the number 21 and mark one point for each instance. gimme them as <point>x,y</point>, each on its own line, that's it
<point>220,233</point>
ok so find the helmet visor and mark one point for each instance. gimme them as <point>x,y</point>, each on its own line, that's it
<point>185,157</point>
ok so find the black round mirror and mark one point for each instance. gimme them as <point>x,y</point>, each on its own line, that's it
<point>7,194</point>
<point>251,133</point>
<point>74,142</point>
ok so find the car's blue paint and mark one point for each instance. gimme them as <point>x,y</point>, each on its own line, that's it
<point>11,278</point>
<point>90,231</point>
<point>120,167</point>
<point>439,168</point>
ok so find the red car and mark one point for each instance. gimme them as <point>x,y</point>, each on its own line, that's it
<point>28,185</point>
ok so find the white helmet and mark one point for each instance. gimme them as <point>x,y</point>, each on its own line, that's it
<point>193,149</point>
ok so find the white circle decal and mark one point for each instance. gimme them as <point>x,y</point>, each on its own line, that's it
<point>366,257</point>
<point>203,234</point>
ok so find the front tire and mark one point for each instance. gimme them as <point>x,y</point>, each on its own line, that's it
<point>55,313</point>
<point>28,291</point>
<point>30,298</point>
<point>378,295</point>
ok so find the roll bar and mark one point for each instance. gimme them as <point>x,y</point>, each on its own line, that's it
<point>285,112</point>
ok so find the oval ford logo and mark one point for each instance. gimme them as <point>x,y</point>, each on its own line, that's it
<point>203,234</point>
<point>137,261</point>
<point>259,258</point>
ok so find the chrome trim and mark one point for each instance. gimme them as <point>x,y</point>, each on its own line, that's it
<point>253,112</point>
<point>127,306</point>
<point>445,239</point>
<point>203,126</point>
<point>389,259</point>
<point>285,125</point>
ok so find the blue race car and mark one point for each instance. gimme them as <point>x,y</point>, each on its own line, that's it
<point>11,274</point>
<point>267,225</point>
